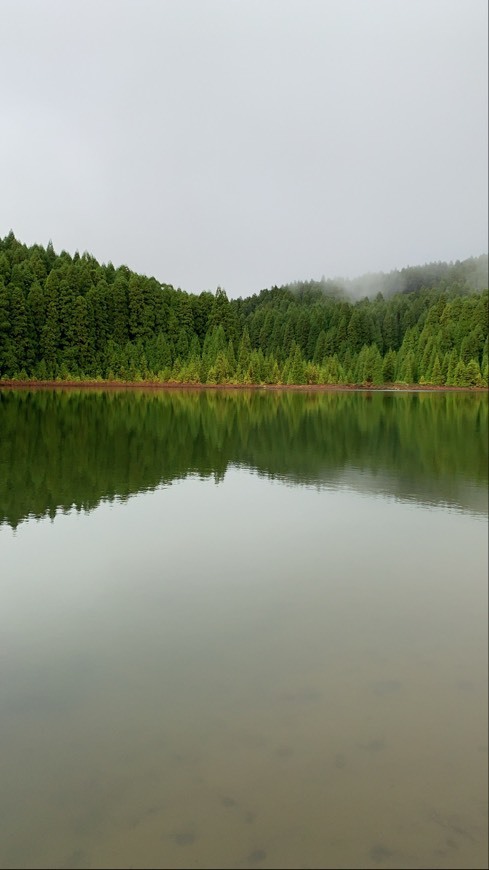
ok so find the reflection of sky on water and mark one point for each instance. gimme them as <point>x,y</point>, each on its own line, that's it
<point>245,510</point>
<point>286,648</point>
<point>464,496</point>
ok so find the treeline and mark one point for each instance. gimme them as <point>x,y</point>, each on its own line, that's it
<point>69,317</point>
<point>63,449</point>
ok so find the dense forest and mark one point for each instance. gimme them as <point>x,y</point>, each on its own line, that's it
<point>66,317</point>
<point>431,448</point>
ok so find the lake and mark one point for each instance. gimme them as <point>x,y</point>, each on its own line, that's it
<point>243,629</point>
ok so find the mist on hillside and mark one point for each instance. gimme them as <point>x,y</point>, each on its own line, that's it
<point>466,275</point>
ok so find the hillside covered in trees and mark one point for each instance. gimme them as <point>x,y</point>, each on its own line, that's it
<point>69,317</point>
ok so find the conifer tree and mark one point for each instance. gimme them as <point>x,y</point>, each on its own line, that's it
<point>436,372</point>
<point>473,374</point>
<point>389,367</point>
<point>460,377</point>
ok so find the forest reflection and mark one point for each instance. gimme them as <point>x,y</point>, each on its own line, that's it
<point>61,449</point>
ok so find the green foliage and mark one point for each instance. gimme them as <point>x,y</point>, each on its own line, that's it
<point>70,317</point>
<point>436,372</point>
<point>389,367</point>
<point>473,374</point>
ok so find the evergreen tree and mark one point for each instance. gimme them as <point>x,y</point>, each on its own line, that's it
<point>473,374</point>
<point>436,372</point>
<point>7,361</point>
<point>244,353</point>
<point>182,345</point>
<point>296,370</point>
<point>18,327</point>
<point>460,378</point>
<point>390,329</point>
<point>407,369</point>
<point>452,368</point>
<point>389,367</point>
<point>120,330</point>
<point>320,349</point>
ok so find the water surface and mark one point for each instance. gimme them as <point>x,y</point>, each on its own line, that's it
<point>243,630</point>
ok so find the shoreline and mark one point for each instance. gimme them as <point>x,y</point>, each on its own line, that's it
<point>173,385</point>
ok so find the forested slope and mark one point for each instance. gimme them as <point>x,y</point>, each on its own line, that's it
<point>70,317</point>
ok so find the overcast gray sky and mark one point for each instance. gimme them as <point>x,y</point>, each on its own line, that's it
<point>242,143</point>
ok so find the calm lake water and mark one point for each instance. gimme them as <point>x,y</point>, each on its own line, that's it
<point>243,630</point>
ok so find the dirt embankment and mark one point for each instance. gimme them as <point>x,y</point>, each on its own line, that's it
<point>172,385</point>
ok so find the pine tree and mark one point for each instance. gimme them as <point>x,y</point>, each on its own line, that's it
<point>244,352</point>
<point>18,326</point>
<point>6,359</point>
<point>452,368</point>
<point>407,370</point>
<point>296,372</point>
<point>390,330</point>
<point>49,340</point>
<point>163,356</point>
<point>182,346</point>
<point>436,372</point>
<point>460,378</point>
<point>320,349</point>
<point>135,300</point>
<point>389,367</point>
<point>194,350</point>
<point>444,367</point>
<point>231,360</point>
<point>83,350</point>
<point>120,330</point>
<point>473,374</point>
